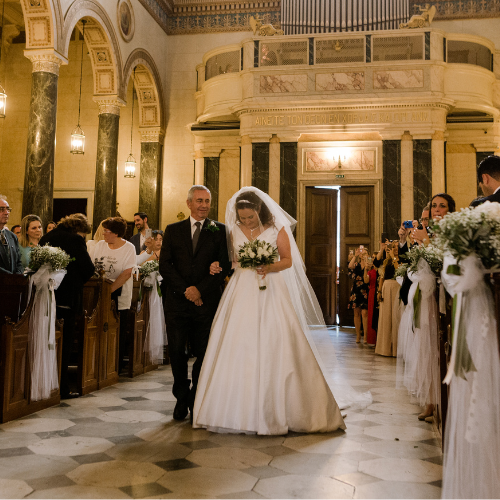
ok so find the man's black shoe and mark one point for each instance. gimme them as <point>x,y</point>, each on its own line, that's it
<point>70,395</point>
<point>180,410</point>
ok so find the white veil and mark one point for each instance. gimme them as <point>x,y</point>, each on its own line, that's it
<point>304,301</point>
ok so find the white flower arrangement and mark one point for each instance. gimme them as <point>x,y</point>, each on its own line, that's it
<point>212,227</point>
<point>431,253</point>
<point>149,267</point>
<point>56,258</point>
<point>257,253</point>
<point>471,231</point>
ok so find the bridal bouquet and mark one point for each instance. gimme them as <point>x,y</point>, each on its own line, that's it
<point>257,253</point>
<point>431,253</point>
<point>47,266</point>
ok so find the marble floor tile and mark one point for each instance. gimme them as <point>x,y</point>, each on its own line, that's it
<point>296,486</point>
<point>402,449</point>
<point>402,469</point>
<point>17,440</point>
<point>50,482</point>
<point>96,401</point>
<point>229,458</point>
<point>322,443</point>
<point>14,488</point>
<point>139,385</point>
<point>246,441</point>
<point>133,416</point>
<point>34,425</point>
<point>145,490</point>
<point>35,466</point>
<point>403,433</point>
<point>160,396</point>
<point>391,489</point>
<point>80,492</point>
<point>242,494</point>
<point>69,446</point>
<point>148,452</point>
<point>357,479</point>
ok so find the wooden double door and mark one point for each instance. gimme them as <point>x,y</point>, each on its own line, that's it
<point>327,244</point>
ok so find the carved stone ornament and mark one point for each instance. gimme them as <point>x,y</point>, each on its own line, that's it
<point>111,106</point>
<point>421,20</point>
<point>152,135</point>
<point>126,20</point>
<point>260,29</point>
<point>48,63</point>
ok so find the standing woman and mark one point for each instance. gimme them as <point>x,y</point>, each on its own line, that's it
<point>371,278</point>
<point>153,248</point>
<point>31,232</point>
<point>358,300</point>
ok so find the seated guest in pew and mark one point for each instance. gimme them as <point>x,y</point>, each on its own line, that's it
<point>118,258</point>
<point>10,256</point>
<point>16,230</point>
<point>488,177</point>
<point>153,248</point>
<point>69,235</point>
<point>31,232</point>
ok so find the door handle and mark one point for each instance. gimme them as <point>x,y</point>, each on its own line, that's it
<point>105,327</point>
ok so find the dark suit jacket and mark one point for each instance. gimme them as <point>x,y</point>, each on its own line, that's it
<point>15,266</point>
<point>181,268</point>
<point>495,197</point>
<point>78,272</point>
<point>136,241</point>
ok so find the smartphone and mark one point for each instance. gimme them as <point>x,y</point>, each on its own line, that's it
<point>408,224</point>
<point>149,233</point>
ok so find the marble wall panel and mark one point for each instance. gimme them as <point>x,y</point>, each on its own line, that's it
<point>404,79</point>
<point>391,151</point>
<point>422,175</point>
<point>279,84</point>
<point>260,166</point>
<point>322,161</point>
<point>288,177</point>
<point>150,182</point>
<point>212,183</point>
<point>340,81</point>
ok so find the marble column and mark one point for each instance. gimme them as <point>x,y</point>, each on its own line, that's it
<point>229,177</point>
<point>260,165</point>
<point>391,151</point>
<point>107,159</point>
<point>407,176</point>
<point>246,161</point>
<point>438,166</point>
<point>40,150</point>
<point>422,174</point>
<point>150,175</point>
<point>199,168</point>
<point>274,168</point>
<point>288,177</point>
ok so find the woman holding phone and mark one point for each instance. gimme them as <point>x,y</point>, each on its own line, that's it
<point>358,300</point>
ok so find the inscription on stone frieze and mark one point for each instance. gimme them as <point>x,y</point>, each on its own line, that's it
<point>343,118</point>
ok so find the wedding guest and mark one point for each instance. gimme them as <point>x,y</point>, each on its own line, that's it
<point>98,236</point>
<point>16,229</point>
<point>440,205</point>
<point>138,240</point>
<point>388,323</point>
<point>359,292</point>
<point>31,232</point>
<point>488,177</point>
<point>10,255</point>
<point>50,225</point>
<point>153,248</point>
<point>69,235</point>
<point>370,277</point>
<point>118,258</point>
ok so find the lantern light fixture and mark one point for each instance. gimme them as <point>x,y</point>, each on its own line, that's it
<point>77,136</point>
<point>130,164</point>
<point>3,95</point>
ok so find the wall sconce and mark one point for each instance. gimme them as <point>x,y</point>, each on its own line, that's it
<point>339,157</point>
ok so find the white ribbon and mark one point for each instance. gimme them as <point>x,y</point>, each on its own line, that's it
<point>44,377</point>
<point>155,329</point>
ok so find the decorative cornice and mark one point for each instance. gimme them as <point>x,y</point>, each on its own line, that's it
<point>109,105</point>
<point>459,9</point>
<point>46,61</point>
<point>152,135</point>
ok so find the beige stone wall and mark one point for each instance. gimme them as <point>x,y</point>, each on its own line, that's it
<point>461,173</point>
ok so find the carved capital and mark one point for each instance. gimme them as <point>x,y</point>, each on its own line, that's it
<point>155,134</point>
<point>406,136</point>
<point>109,104</point>
<point>438,135</point>
<point>47,61</point>
<point>246,140</point>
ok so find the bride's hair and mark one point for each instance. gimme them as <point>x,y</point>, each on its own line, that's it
<point>249,199</point>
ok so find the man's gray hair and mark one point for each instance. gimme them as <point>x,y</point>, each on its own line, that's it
<point>197,187</point>
<point>2,197</point>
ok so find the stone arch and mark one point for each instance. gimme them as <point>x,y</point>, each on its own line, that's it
<point>44,24</point>
<point>148,87</point>
<point>102,44</point>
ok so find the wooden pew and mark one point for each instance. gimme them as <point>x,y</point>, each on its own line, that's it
<point>97,337</point>
<point>15,364</point>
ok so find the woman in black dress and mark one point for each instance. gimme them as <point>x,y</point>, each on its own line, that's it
<point>358,300</point>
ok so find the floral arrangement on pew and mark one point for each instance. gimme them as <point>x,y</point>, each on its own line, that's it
<point>155,329</point>
<point>470,241</point>
<point>257,253</point>
<point>401,272</point>
<point>47,269</point>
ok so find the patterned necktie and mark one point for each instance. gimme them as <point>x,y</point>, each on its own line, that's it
<point>5,244</point>
<point>196,235</point>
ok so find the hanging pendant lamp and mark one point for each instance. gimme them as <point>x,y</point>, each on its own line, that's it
<point>3,95</point>
<point>130,164</point>
<point>77,136</point>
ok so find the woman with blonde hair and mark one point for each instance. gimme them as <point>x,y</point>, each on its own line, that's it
<point>98,236</point>
<point>31,232</point>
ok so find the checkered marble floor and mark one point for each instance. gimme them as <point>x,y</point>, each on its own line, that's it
<point>122,442</point>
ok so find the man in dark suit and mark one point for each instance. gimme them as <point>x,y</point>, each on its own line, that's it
<point>10,256</point>
<point>190,293</point>
<point>488,176</point>
<point>69,235</point>
<point>141,223</point>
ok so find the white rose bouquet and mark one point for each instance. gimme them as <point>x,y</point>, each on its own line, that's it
<point>55,258</point>
<point>257,253</point>
<point>431,253</point>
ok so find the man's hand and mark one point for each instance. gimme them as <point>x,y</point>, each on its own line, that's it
<point>192,294</point>
<point>215,268</point>
<point>198,302</point>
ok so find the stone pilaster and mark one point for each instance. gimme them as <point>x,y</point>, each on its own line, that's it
<point>40,150</point>
<point>107,158</point>
<point>438,167</point>
<point>407,176</point>
<point>150,175</point>
<point>274,168</point>
<point>246,161</point>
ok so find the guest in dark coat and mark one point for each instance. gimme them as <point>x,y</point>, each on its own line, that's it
<point>69,235</point>
<point>488,176</point>
<point>10,255</point>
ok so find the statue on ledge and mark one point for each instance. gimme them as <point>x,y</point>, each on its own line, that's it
<point>421,20</point>
<point>260,29</point>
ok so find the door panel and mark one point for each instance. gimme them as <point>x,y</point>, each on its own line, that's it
<point>356,228</point>
<point>321,245</point>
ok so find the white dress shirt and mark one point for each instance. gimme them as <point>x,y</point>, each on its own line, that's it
<point>193,227</point>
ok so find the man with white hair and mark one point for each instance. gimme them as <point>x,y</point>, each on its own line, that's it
<point>10,256</point>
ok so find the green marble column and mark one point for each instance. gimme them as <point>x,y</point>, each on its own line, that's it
<point>40,150</point>
<point>150,178</point>
<point>106,163</point>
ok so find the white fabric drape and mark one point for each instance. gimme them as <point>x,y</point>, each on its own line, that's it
<point>156,333</point>
<point>42,332</point>
<point>472,439</point>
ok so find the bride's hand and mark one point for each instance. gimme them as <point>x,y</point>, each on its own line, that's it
<point>215,268</point>
<point>262,270</point>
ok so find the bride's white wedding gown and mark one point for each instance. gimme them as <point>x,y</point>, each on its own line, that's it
<point>259,374</point>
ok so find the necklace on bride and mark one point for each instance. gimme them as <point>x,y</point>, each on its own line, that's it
<point>252,230</point>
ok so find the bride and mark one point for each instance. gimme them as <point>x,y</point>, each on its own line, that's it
<point>262,372</point>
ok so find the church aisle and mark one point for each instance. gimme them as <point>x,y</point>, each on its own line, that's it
<point>122,442</point>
